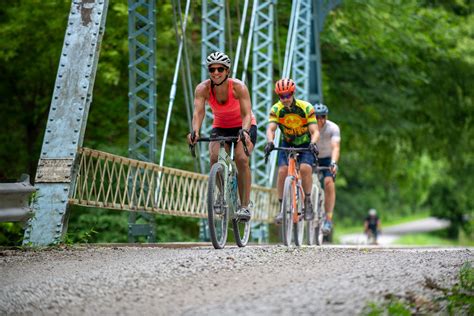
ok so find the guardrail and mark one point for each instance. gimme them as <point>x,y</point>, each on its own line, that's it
<point>14,200</point>
<point>109,181</point>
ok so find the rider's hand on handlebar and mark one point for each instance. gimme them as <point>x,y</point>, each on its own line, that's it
<point>314,148</point>
<point>268,148</point>
<point>244,136</point>
<point>193,137</point>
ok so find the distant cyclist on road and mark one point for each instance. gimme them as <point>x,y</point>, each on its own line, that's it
<point>329,147</point>
<point>229,100</point>
<point>372,224</point>
<point>297,122</point>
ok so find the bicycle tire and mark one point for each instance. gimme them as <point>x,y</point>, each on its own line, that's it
<point>322,217</point>
<point>298,228</point>
<point>217,211</point>
<point>287,209</point>
<point>241,232</point>
<point>311,225</point>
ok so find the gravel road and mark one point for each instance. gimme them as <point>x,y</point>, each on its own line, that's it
<point>256,280</point>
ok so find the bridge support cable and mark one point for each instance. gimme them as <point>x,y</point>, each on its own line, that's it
<point>174,84</point>
<point>239,41</point>
<point>142,97</point>
<point>213,39</point>
<point>109,181</point>
<point>249,41</point>
<point>185,68</point>
<point>67,121</point>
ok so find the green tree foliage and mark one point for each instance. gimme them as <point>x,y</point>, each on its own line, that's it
<point>397,78</point>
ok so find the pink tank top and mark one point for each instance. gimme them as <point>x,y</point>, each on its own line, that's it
<point>227,115</point>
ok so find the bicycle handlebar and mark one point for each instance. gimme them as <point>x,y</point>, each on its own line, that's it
<point>293,149</point>
<point>216,139</point>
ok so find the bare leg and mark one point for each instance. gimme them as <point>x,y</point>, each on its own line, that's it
<point>306,178</point>
<point>330,196</point>
<point>282,174</point>
<point>244,176</point>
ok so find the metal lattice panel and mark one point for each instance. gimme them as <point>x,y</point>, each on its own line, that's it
<point>262,83</point>
<point>109,181</point>
<point>142,97</point>
<point>67,120</point>
<point>142,84</point>
<point>300,69</point>
<point>213,39</point>
<point>320,9</point>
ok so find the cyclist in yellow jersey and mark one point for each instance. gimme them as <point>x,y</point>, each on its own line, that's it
<point>297,122</point>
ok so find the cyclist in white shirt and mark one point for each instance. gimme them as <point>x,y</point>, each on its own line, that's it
<point>329,147</point>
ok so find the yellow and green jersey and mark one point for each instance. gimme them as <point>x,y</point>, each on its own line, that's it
<point>294,122</point>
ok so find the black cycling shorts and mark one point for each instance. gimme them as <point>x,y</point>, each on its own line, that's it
<point>226,132</point>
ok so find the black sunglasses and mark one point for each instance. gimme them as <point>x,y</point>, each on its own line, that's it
<point>213,69</point>
<point>320,116</point>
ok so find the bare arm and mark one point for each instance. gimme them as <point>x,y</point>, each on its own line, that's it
<point>314,131</point>
<point>271,128</point>
<point>335,155</point>
<point>335,151</point>
<point>241,93</point>
<point>200,96</point>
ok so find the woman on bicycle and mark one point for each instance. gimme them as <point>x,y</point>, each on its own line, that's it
<point>297,122</point>
<point>230,104</point>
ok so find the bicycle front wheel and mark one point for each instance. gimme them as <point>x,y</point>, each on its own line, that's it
<point>241,232</point>
<point>288,210</point>
<point>217,212</point>
<point>299,226</point>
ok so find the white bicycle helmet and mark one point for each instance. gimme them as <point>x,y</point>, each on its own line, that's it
<point>372,212</point>
<point>218,58</point>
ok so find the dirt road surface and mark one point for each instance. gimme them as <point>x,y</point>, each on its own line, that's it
<point>256,280</point>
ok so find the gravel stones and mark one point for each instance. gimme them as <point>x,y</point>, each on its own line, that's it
<point>202,281</point>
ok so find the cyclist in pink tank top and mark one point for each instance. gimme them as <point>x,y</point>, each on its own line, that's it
<point>230,104</point>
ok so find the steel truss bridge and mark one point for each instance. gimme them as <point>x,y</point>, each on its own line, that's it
<point>69,174</point>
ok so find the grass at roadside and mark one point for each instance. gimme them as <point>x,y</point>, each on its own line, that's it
<point>434,239</point>
<point>457,300</point>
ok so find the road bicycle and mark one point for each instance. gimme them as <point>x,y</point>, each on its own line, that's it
<point>293,199</point>
<point>223,197</point>
<point>371,237</point>
<point>315,227</point>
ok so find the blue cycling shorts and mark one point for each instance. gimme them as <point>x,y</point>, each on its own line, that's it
<point>326,162</point>
<point>303,157</point>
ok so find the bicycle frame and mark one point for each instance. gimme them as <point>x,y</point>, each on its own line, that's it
<point>230,170</point>
<point>293,171</point>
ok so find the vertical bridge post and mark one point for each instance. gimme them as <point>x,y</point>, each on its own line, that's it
<point>67,121</point>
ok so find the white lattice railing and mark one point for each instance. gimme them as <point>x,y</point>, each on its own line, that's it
<point>114,182</point>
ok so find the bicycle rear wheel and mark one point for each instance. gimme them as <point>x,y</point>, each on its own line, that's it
<point>299,226</point>
<point>321,218</point>
<point>287,209</point>
<point>217,211</point>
